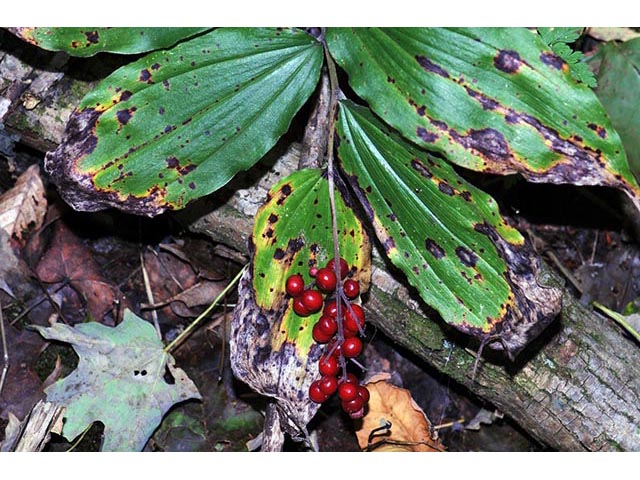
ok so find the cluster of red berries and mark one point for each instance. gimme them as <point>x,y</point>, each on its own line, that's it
<point>339,332</point>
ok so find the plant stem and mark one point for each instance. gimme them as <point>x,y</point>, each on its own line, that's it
<point>5,353</point>
<point>333,107</point>
<point>620,319</point>
<point>187,331</point>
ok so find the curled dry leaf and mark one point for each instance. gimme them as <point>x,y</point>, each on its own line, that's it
<point>24,205</point>
<point>410,429</point>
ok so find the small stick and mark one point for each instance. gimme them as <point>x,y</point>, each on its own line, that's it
<point>5,353</point>
<point>147,287</point>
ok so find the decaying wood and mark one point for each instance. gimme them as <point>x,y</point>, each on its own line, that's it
<point>577,388</point>
<point>35,431</point>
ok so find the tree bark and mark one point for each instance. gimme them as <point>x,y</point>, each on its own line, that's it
<point>576,389</point>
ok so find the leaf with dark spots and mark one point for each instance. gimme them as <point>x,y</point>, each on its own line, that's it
<point>507,61</point>
<point>451,243</point>
<point>297,242</point>
<point>491,97</point>
<point>252,96</point>
<point>272,348</point>
<point>87,41</point>
<point>428,137</point>
<point>467,257</point>
<point>429,66</point>
<point>553,60</point>
<point>436,250</point>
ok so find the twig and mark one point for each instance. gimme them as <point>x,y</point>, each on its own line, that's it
<point>567,274</point>
<point>593,250</point>
<point>460,421</point>
<point>5,353</point>
<point>147,287</point>
<point>45,297</point>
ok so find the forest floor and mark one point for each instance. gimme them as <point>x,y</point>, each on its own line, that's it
<point>81,266</point>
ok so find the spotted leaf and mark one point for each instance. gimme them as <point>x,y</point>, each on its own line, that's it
<point>272,348</point>
<point>87,41</point>
<point>495,100</point>
<point>179,124</point>
<point>445,235</point>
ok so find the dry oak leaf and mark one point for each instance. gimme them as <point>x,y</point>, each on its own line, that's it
<point>23,206</point>
<point>410,429</point>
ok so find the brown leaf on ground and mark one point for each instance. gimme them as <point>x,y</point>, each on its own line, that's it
<point>168,277</point>
<point>409,430</point>
<point>68,260</point>
<point>608,34</point>
<point>23,206</point>
<point>23,387</point>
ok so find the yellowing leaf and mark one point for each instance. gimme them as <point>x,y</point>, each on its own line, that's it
<point>410,429</point>
<point>24,205</point>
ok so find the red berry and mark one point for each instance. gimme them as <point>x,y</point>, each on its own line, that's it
<point>328,325</point>
<point>348,391</point>
<point>328,366</point>
<point>351,322</point>
<point>352,406</point>
<point>316,394</point>
<point>351,289</point>
<point>344,267</point>
<point>299,308</point>
<point>351,347</point>
<point>319,336</point>
<point>337,351</point>
<point>326,280</point>
<point>328,385</point>
<point>312,300</point>
<point>351,378</point>
<point>363,393</point>
<point>295,285</point>
<point>348,333</point>
<point>313,271</point>
<point>330,309</point>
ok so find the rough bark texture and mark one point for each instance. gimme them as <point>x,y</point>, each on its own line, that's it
<point>577,388</point>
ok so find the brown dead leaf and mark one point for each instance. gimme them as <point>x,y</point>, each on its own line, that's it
<point>193,300</point>
<point>410,429</point>
<point>607,34</point>
<point>69,261</point>
<point>23,206</point>
<point>23,387</point>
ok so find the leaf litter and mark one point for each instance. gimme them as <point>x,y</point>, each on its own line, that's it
<point>120,381</point>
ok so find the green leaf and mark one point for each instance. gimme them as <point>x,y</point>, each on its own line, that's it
<point>119,381</point>
<point>445,235</point>
<point>619,91</point>
<point>272,348</point>
<point>557,38</point>
<point>179,124</point>
<point>87,41</point>
<point>491,99</point>
<point>554,35</point>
